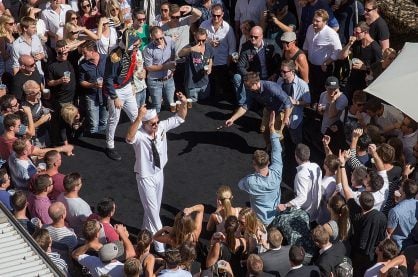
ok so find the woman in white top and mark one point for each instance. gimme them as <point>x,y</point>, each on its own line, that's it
<point>107,37</point>
<point>223,210</point>
<point>163,17</point>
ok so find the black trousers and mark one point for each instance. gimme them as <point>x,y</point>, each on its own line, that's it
<point>317,79</point>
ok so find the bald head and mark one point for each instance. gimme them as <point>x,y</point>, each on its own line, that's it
<point>26,60</point>
<point>256,36</point>
<point>57,211</point>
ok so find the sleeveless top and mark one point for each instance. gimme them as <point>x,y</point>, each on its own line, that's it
<point>142,265</point>
<point>334,227</point>
<point>220,226</point>
<point>296,55</point>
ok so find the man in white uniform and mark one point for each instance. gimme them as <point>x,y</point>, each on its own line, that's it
<point>149,138</point>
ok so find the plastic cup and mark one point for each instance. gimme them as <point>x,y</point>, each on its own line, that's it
<point>355,60</point>
<point>217,235</point>
<point>222,265</point>
<point>42,166</point>
<point>189,103</point>
<point>235,56</point>
<point>67,74</point>
<point>11,192</point>
<point>173,107</point>
<point>46,93</point>
<point>99,81</point>
<point>37,222</point>
<point>206,68</point>
<point>178,103</point>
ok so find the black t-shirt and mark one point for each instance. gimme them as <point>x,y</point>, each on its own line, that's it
<point>379,29</point>
<point>19,79</point>
<point>195,73</point>
<point>63,93</point>
<point>369,55</point>
<point>369,229</point>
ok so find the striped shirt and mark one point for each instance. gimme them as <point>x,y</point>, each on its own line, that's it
<point>60,263</point>
<point>63,236</point>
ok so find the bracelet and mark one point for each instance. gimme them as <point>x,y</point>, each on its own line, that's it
<point>342,166</point>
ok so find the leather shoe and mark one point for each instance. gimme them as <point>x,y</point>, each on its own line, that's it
<point>113,154</point>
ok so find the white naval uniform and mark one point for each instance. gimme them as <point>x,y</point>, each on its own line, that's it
<point>150,179</point>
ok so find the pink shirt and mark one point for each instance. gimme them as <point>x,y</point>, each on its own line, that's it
<point>38,207</point>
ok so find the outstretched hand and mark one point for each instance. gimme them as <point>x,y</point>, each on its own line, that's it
<point>182,98</point>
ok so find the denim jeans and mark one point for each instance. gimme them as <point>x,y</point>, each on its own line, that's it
<point>159,89</point>
<point>140,97</point>
<point>239,87</point>
<point>197,93</point>
<point>97,114</point>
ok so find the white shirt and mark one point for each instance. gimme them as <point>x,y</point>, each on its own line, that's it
<point>308,190</point>
<point>322,45</point>
<point>54,21</point>
<point>249,10</point>
<point>98,268</point>
<point>144,161</point>
<point>379,196</point>
<point>107,44</point>
<point>227,43</point>
<point>21,47</point>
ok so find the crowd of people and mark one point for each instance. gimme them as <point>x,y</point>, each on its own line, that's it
<point>68,69</point>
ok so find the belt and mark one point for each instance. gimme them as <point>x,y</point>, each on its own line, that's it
<point>164,78</point>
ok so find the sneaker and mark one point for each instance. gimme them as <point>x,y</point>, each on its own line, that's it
<point>113,154</point>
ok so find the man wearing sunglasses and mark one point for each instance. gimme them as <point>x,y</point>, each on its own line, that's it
<point>27,71</point>
<point>178,28</point>
<point>257,56</point>
<point>222,38</point>
<point>148,136</point>
<point>159,62</point>
<point>379,29</point>
<point>118,76</point>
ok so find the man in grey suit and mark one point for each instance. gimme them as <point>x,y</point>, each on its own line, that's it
<point>276,259</point>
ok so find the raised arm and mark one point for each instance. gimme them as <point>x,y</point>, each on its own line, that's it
<point>136,124</point>
<point>182,112</point>
<point>199,210</point>
<point>276,154</point>
<point>377,160</point>
<point>342,159</point>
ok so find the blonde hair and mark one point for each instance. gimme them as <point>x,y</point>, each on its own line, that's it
<point>183,227</point>
<point>224,195</point>
<point>389,51</point>
<point>3,21</point>
<point>69,113</point>
<point>67,29</point>
<point>109,6</point>
<point>251,221</point>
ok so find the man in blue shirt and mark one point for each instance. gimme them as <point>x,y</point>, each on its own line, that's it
<point>298,92</point>
<point>92,70</point>
<point>271,96</point>
<point>403,217</point>
<point>263,185</point>
<point>4,185</point>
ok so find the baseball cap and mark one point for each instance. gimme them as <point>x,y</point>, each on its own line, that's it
<point>332,83</point>
<point>111,251</point>
<point>288,36</point>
